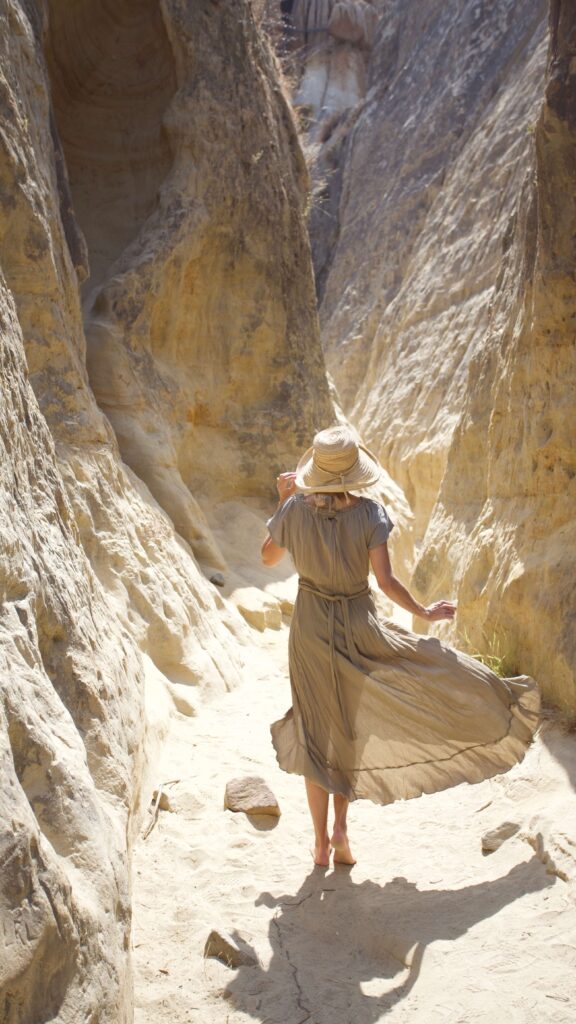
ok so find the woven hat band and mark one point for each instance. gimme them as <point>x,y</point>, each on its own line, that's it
<point>335,463</point>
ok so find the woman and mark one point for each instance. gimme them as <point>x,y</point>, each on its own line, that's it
<point>378,712</point>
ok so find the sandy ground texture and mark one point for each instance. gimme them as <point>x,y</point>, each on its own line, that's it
<point>425,928</point>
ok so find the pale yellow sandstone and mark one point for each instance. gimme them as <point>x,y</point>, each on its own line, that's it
<point>107,623</point>
<point>512,535</point>
<point>187,182</point>
<point>441,242</point>
<point>259,609</point>
<point>427,181</point>
<point>148,154</point>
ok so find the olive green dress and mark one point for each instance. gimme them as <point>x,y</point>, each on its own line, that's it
<point>379,712</point>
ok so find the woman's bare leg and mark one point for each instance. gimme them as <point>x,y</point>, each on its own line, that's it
<point>318,804</point>
<point>339,841</point>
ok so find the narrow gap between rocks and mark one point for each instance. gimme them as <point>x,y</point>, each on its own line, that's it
<point>112,77</point>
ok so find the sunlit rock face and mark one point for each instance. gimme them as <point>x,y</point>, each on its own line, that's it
<point>146,155</point>
<point>420,184</point>
<point>504,525</point>
<point>71,735</point>
<point>188,184</point>
<point>444,267</point>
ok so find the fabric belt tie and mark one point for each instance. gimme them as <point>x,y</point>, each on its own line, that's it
<point>343,600</point>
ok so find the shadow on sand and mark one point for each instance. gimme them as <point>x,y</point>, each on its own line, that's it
<point>333,939</point>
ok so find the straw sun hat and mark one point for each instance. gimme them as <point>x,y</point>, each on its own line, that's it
<point>336,462</point>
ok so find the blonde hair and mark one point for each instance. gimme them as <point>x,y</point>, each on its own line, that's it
<point>322,500</point>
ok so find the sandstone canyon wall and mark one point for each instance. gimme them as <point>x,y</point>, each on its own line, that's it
<point>188,184</point>
<point>160,359</point>
<point>334,38</point>
<point>509,538</point>
<point>432,164</point>
<point>444,270</point>
<point>147,156</point>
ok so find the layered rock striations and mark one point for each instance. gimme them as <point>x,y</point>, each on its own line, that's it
<point>147,156</point>
<point>332,40</point>
<point>421,182</point>
<point>71,736</point>
<point>187,181</point>
<point>159,359</point>
<point>445,272</point>
<point>508,538</point>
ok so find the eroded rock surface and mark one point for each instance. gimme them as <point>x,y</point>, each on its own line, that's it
<point>509,537</point>
<point>110,125</point>
<point>443,259</point>
<point>148,155</point>
<point>187,181</point>
<point>427,176</point>
<point>72,737</point>
<point>332,39</point>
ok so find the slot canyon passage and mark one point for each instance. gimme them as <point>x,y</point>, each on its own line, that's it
<point>225,224</point>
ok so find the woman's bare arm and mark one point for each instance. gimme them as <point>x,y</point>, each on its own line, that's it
<point>271,552</point>
<point>389,585</point>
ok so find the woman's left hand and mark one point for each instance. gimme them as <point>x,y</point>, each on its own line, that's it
<point>441,610</point>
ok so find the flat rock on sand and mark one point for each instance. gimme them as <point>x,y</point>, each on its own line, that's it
<point>493,839</point>
<point>251,795</point>
<point>228,949</point>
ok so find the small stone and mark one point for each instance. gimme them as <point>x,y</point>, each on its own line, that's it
<point>218,579</point>
<point>284,591</point>
<point>259,609</point>
<point>224,947</point>
<point>493,840</point>
<point>166,801</point>
<point>251,795</point>
<point>180,694</point>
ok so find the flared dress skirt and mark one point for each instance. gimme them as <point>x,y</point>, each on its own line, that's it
<point>379,712</point>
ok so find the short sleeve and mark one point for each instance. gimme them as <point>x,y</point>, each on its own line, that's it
<point>379,526</point>
<point>279,524</point>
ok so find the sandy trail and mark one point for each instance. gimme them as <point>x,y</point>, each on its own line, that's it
<point>424,929</point>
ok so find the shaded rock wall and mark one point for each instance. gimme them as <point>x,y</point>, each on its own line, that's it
<point>333,39</point>
<point>186,300</point>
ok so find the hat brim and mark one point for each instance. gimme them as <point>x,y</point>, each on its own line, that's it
<point>312,480</point>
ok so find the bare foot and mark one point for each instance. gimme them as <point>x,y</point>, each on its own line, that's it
<point>340,845</point>
<point>321,854</point>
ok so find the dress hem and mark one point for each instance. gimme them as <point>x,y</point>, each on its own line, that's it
<point>400,782</point>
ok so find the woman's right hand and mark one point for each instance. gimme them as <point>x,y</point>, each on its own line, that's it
<point>440,610</point>
<point>286,485</point>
